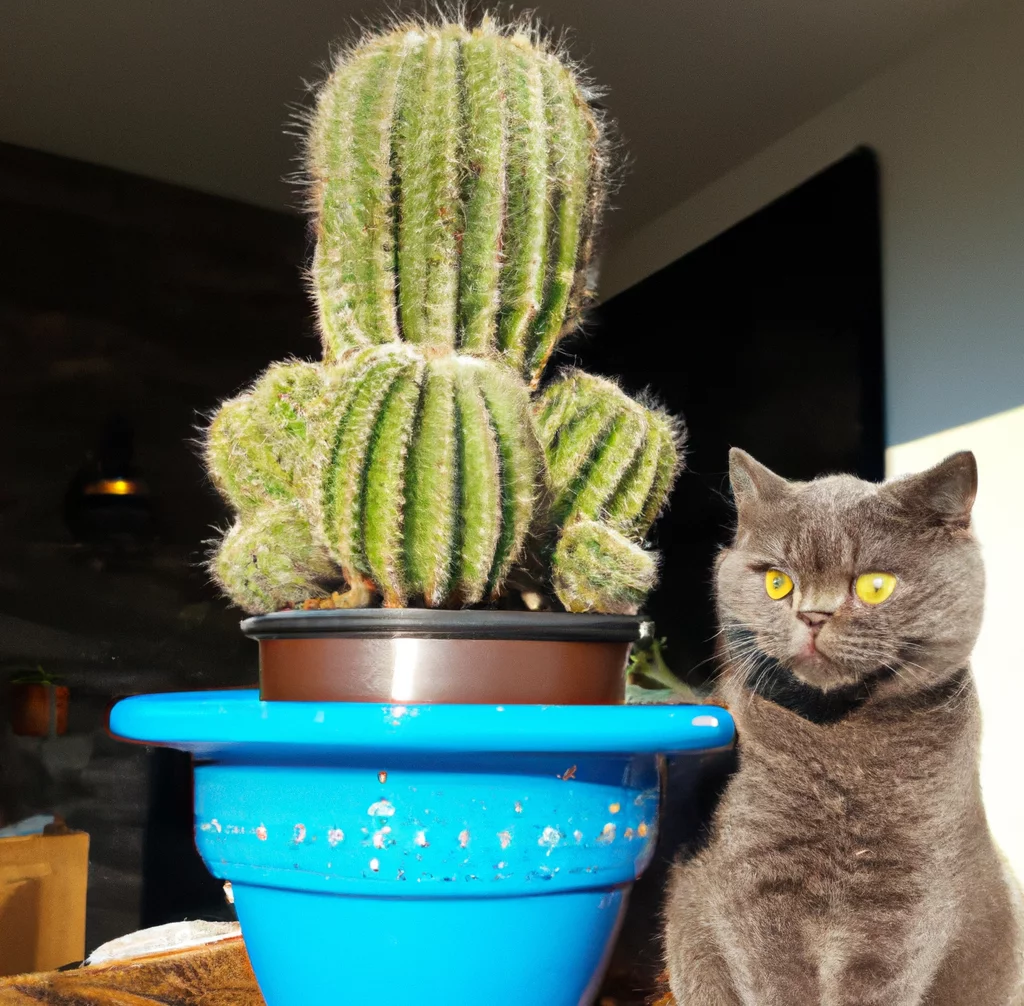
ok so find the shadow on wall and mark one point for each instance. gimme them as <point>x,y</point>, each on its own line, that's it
<point>125,297</point>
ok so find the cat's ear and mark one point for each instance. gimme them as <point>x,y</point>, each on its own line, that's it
<point>751,481</point>
<point>945,493</point>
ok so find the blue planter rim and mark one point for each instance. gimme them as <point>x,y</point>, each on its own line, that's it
<point>198,720</point>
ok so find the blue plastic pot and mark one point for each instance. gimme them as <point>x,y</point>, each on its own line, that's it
<point>443,855</point>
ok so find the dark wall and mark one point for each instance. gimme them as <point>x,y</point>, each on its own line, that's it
<point>767,338</point>
<point>123,296</point>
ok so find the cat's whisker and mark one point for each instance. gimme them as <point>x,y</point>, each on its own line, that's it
<point>730,655</point>
<point>734,655</point>
<point>954,699</point>
<point>924,677</point>
<point>899,674</point>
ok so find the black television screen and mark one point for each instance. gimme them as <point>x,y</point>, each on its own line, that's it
<point>769,338</point>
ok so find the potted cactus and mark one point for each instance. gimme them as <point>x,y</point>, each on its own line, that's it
<point>456,179</point>
<point>442,558</point>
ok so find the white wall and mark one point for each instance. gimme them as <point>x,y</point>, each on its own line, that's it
<point>998,660</point>
<point>948,127</point>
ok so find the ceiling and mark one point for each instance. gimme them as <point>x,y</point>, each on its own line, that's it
<point>198,91</point>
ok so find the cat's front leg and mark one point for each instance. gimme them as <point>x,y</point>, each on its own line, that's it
<point>698,975</point>
<point>870,978</point>
<point>725,947</point>
<point>697,969</point>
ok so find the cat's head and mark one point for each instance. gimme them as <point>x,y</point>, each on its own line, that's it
<point>842,581</point>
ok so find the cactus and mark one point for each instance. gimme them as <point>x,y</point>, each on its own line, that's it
<point>255,447</point>
<point>611,463</point>
<point>457,177</point>
<point>429,484</point>
<point>270,560</point>
<point>597,568</point>
<point>609,457</point>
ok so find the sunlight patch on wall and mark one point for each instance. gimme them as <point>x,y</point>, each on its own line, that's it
<point>998,444</point>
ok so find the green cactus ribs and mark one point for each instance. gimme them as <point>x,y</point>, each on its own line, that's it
<point>429,487</point>
<point>597,568</point>
<point>611,464</point>
<point>257,444</point>
<point>457,176</point>
<point>609,457</point>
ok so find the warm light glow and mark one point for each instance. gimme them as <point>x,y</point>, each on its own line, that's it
<point>112,487</point>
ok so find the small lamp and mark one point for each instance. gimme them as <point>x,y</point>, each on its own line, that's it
<point>108,502</point>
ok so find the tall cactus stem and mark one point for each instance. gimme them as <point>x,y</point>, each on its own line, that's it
<point>427,155</point>
<point>524,245</point>
<point>371,217</point>
<point>456,178</point>
<point>479,293</point>
<point>333,168</point>
<point>569,172</point>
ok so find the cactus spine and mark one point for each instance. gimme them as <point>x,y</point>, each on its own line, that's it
<point>457,177</point>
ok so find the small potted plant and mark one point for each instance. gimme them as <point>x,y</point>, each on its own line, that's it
<point>443,559</point>
<point>38,704</point>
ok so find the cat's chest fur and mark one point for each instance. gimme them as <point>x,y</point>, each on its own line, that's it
<point>840,840</point>
<point>853,808</point>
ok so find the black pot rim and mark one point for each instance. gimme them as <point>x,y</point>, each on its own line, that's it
<point>434,623</point>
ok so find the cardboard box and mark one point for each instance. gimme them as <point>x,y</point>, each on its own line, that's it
<point>43,882</point>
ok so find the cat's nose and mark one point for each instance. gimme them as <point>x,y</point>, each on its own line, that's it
<point>815,619</point>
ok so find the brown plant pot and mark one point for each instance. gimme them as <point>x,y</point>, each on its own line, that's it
<point>38,710</point>
<point>425,655</point>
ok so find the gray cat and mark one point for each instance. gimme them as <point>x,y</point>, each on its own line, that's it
<point>849,861</point>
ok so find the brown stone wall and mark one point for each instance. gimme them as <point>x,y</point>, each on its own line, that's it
<point>120,295</point>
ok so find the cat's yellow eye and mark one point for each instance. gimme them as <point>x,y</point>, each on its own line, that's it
<point>777,583</point>
<point>874,588</point>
